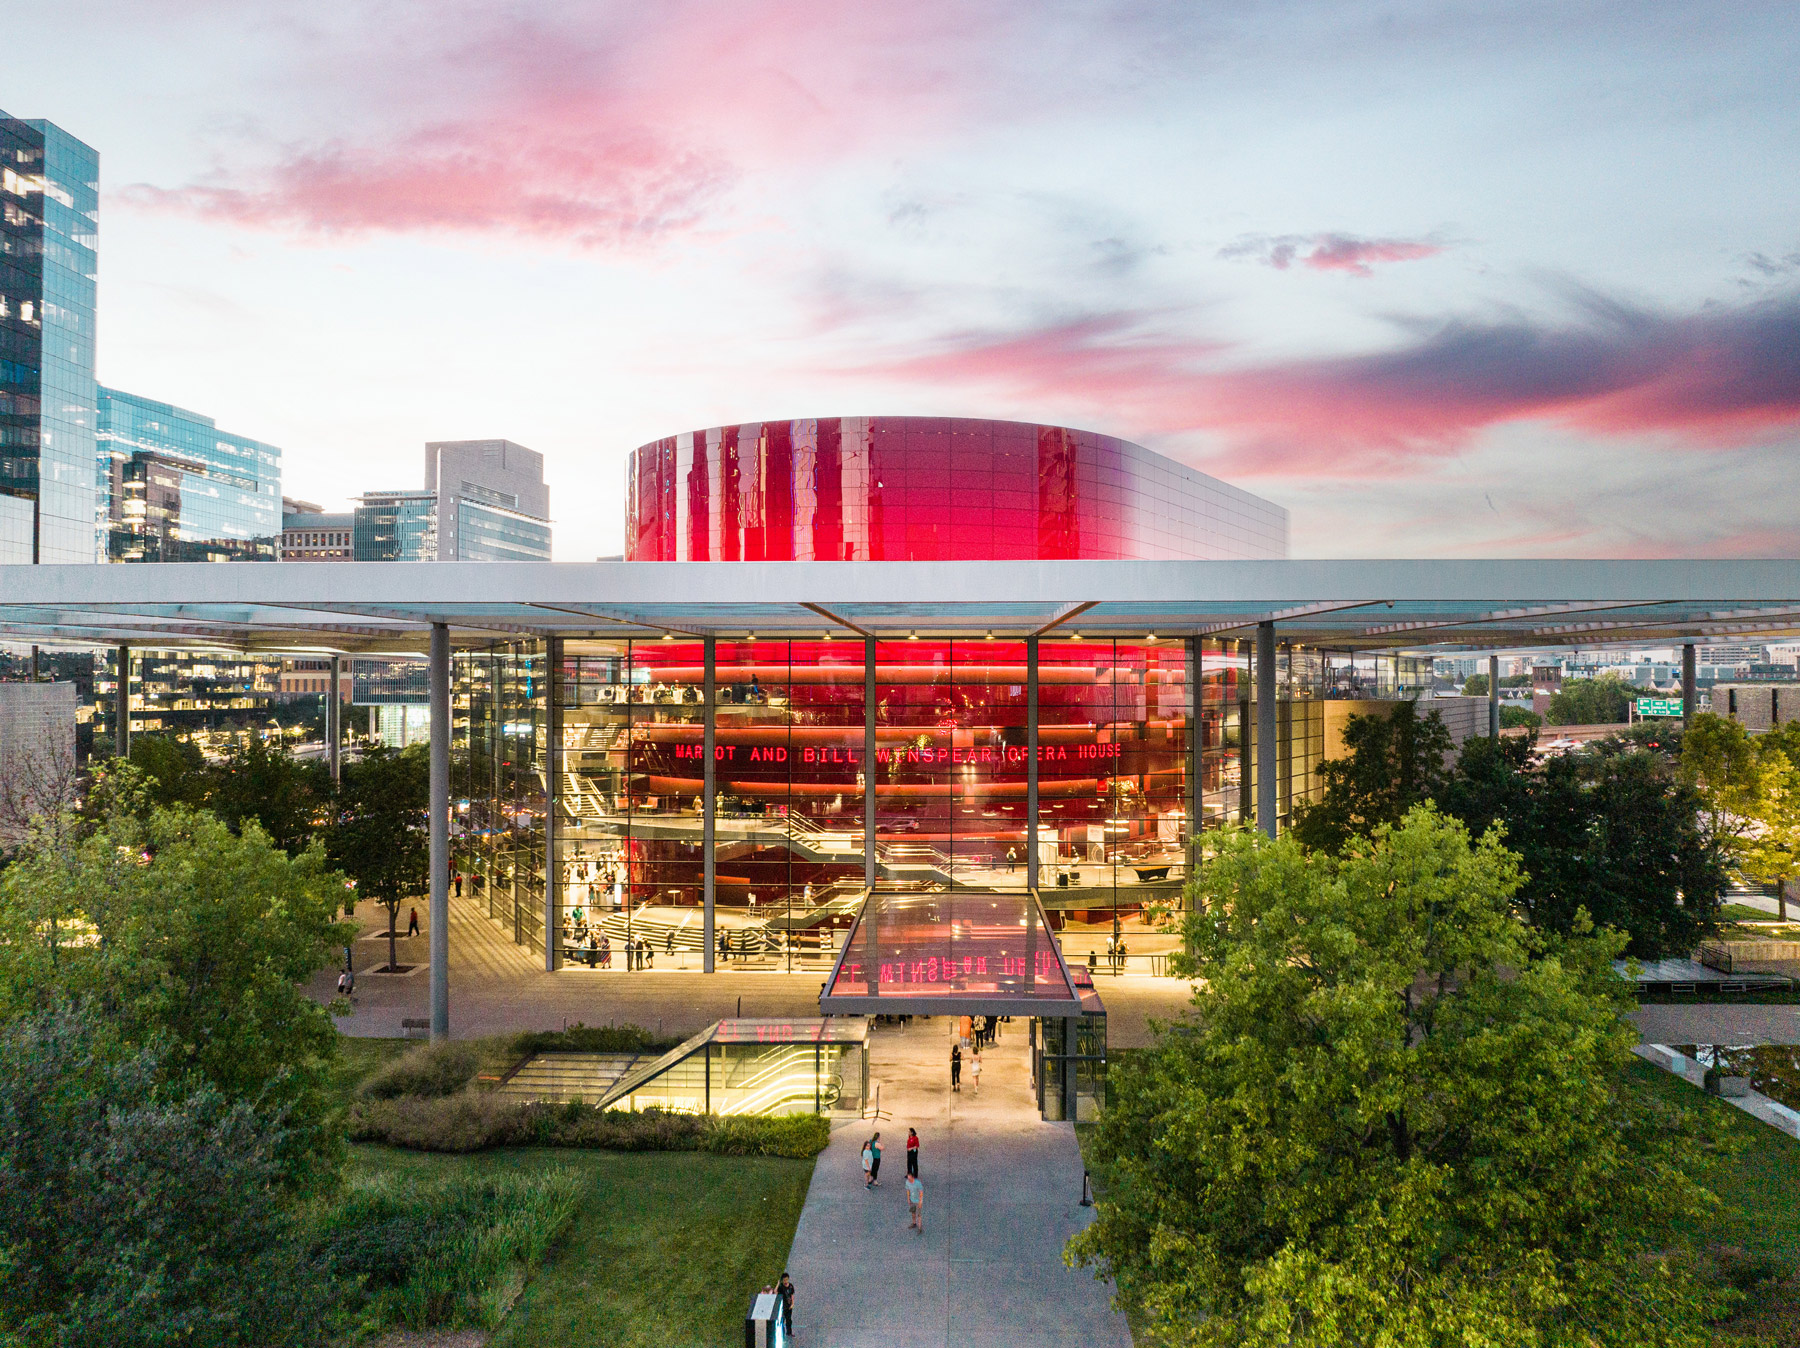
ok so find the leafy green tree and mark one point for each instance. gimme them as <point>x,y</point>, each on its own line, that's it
<point>1511,717</point>
<point>195,942</point>
<point>1476,686</point>
<point>137,1209</point>
<point>1392,763</point>
<point>175,772</point>
<point>288,797</point>
<point>1611,838</point>
<point>1394,1117</point>
<point>379,837</point>
<point>1598,701</point>
<point>1718,756</point>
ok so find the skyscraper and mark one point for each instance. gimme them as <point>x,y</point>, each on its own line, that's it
<point>483,501</point>
<point>179,489</point>
<point>49,232</point>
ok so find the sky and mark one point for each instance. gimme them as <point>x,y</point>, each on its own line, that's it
<point>1443,279</point>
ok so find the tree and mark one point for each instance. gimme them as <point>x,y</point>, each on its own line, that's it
<point>174,770</point>
<point>1511,717</point>
<point>266,783</point>
<point>1598,701</point>
<point>1612,838</point>
<point>196,942</point>
<point>1758,806</point>
<point>1395,1115</point>
<point>379,836</point>
<point>1393,762</point>
<point>136,1209</point>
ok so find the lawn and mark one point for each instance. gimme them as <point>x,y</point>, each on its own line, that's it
<point>665,1248</point>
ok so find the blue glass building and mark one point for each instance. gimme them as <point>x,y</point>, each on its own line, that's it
<point>49,231</point>
<point>179,489</point>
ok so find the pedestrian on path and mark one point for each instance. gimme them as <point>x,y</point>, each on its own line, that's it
<point>912,1151</point>
<point>915,1203</point>
<point>868,1159</point>
<point>785,1290</point>
<point>975,1072</point>
<point>875,1161</point>
<point>956,1067</point>
<point>412,923</point>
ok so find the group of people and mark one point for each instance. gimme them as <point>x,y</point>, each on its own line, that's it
<point>594,946</point>
<point>1115,955</point>
<point>915,1187</point>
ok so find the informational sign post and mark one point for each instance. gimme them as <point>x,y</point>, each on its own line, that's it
<point>1658,706</point>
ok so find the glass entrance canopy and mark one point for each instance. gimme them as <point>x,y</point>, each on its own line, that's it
<point>961,952</point>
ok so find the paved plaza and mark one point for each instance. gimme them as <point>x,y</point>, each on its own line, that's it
<point>497,987</point>
<point>1002,1196</point>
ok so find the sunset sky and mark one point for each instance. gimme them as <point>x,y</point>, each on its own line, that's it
<point>1442,278</point>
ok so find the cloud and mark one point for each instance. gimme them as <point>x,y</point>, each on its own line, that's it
<point>1329,252</point>
<point>595,125</point>
<point>1716,378</point>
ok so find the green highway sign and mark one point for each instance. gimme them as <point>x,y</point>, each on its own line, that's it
<point>1659,706</point>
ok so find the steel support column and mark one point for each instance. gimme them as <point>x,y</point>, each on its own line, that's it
<point>1687,684</point>
<point>1493,697</point>
<point>1267,782</point>
<point>1031,762</point>
<point>438,814</point>
<point>122,707</point>
<point>870,870</point>
<point>1194,800</point>
<point>334,720</point>
<point>554,759</point>
<point>709,802</point>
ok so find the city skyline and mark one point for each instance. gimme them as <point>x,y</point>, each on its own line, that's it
<point>1438,282</point>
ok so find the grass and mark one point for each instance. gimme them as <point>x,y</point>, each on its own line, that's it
<point>1743,912</point>
<point>1755,1235</point>
<point>664,1248</point>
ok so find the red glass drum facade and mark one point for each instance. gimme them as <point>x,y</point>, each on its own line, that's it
<point>930,489</point>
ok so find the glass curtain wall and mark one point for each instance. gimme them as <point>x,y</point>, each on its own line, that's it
<point>950,779</point>
<point>1113,795</point>
<point>1224,672</point>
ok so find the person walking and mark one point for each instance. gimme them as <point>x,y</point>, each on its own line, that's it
<point>875,1161</point>
<point>912,1151</point>
<point>1012,859</point>
<point>785,1290</point>
<point>956,1067</point>
<point>605,951</point>
<point>915,1203</point>
<point>868,1159</point>
<point>975,1072</point>
<point>412,923</point>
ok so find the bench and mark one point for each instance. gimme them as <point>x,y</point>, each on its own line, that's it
<point>415,1027</point>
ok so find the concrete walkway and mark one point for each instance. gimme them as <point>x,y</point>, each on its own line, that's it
<point>1002,1195</point>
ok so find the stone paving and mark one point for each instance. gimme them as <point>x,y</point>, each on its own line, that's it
<point>1002,1196</point>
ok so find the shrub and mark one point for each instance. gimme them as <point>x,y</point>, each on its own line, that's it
<point>475,1122</point>
<point>449,1251</point>
<point>428,1070</point>
<point>579,1038</point>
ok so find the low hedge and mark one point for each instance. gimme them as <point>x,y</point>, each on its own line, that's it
<point>579,1038</point>
<point>427,1071</point>
<point>473,1121</point>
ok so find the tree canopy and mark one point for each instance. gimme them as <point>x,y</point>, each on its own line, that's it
<point>1616,838</point>
<point>193,942</point>
<point>1394,1116</point>
<point>379,835</point>
<point>139,1207</point>
<point>1393,763</point>
<point>1598,701</point>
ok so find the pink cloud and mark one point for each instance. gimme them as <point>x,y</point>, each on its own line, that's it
<point>592,125</point>
<point>1330,251</point>
<point>1719,378</point>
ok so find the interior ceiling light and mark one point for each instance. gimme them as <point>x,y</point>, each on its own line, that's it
<point>990,635</point>
<point>828,634</point>
<point>1150,638</point>
<point>1074,635</point>
<point>750,636</point>
<point>912,636</point>
<point>668,636</point>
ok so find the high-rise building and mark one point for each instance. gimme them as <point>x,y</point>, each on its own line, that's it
<point>179,489</point>
<point>483,501</point>
<point>49,231</point>
<point>310,534</point>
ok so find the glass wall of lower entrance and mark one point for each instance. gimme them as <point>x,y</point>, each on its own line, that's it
<point>1137,741</point>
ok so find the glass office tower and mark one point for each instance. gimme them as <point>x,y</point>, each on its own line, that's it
<point>49,197</point>
<point>179,489</point>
